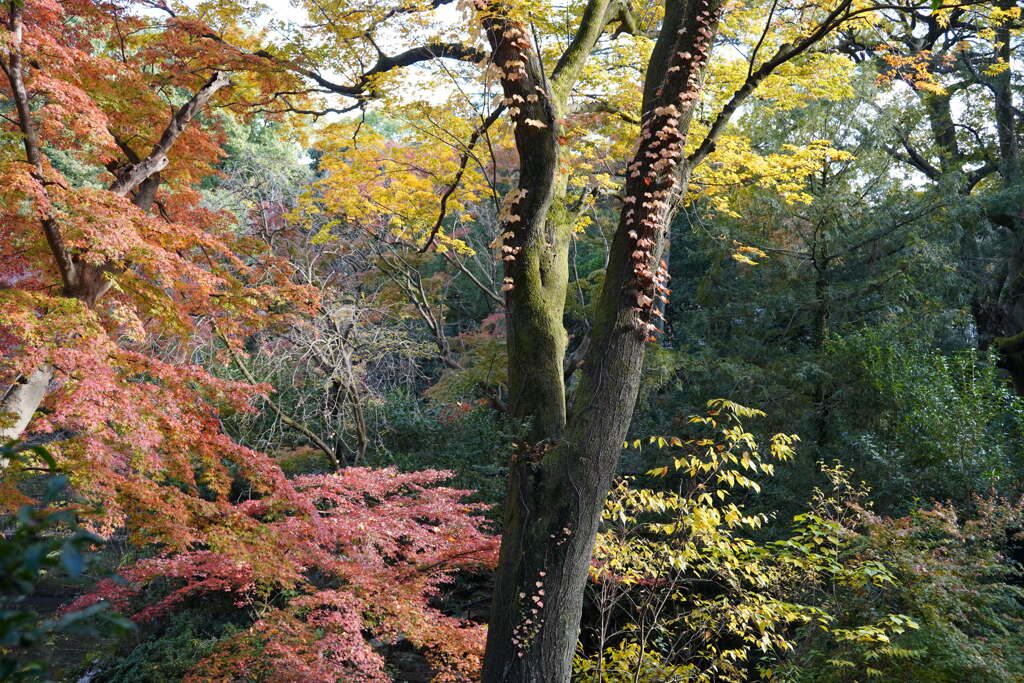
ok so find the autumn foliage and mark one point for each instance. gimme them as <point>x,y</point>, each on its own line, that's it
<point>363,552</point>
<point>112,273</point>
<point>246,251</point>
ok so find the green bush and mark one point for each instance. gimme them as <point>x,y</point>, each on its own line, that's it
<point>171,648</point>
<point>920,424</point>
<point>469,438</point>
<point>41,541</point>
<point>956,578</point>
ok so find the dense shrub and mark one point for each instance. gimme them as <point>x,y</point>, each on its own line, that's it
<point>43,540</point>
<point>352,561</point>
<point>684,588</point>
<point>683,592</point>
<point>958,580</point>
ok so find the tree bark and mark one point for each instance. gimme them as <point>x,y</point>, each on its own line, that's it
<point>21,400</point>
<point>1000,309</point>
<point>534,248</point>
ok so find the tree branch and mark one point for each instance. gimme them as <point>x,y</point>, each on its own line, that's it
<point>915,159</point>
<point>284,417</point>
<point>132,176</point>
<point>627,19</point>
<point>463,162</point>
<point>980,173</point>
<point>785,53</point>
<point>30,139</point>
<point>605,107</point>
<point>595,17</point>
<point>487,291</point>
<point>384,64</point>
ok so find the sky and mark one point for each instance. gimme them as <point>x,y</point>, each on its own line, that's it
<point>284,9</point>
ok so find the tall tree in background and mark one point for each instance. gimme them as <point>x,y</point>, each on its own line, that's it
<point>963,136</point>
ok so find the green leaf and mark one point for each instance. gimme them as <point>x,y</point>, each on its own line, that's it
<point>72,559</point>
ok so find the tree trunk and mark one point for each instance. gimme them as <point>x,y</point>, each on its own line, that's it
<point>22,399</point>
<point>1001,322</point>
<point>558,482</point>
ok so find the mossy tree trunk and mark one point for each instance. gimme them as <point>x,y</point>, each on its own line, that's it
<point>558,481</point>
<point>1006,315</point>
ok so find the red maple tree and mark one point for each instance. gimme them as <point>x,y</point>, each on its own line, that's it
<point>111,271</point>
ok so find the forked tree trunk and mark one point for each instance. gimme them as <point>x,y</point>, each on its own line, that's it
<point>558,482</point>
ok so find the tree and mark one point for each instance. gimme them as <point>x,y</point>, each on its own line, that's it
<point>81,279</point>
<point>963,137</point>
<point>548,70</point>
<point>115,273</point>
<point>859,253</point>
<point>111,264</point>
<point>100,233</point>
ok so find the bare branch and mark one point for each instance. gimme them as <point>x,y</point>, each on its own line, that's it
<point>463,162</point>
<point>283,416</point>
<point>488,292</point>
<point>605,107</point>
<point>362,87</point>
<point>760,41</point>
